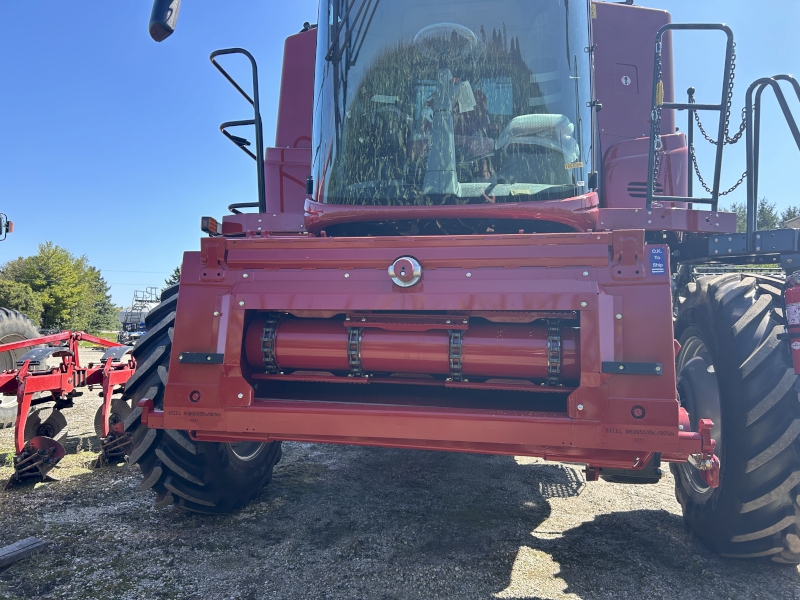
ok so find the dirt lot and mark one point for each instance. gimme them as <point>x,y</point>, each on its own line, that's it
<point>344,522</point>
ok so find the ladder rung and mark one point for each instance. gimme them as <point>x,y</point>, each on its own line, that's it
<point>692,106</point>
<point>682,199</point>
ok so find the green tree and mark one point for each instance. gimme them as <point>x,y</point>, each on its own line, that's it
<point>71,294</point>
<point>57,278</point>
<point>792,212</point>
<point>20,296</point>
<point>95,312</point>
<point>173,279</point>
<point>768,216</point>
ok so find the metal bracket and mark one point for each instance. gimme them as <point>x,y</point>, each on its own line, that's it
<point>39,356</point>
<point>200,358</point>
<point>633,368</point>
<point>115,353</point>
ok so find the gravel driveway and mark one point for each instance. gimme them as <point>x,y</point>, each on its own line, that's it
<point>373,523</point>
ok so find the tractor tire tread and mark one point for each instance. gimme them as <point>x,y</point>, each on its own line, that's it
<point>787,438</point>
<point>173,466</point>
<point>194,476</point>
<point>756,515</point>
<point>773,396</point>
<point>152,478</point>
<point>755,312</point>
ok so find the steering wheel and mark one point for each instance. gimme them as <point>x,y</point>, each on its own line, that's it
<point>446,40</point>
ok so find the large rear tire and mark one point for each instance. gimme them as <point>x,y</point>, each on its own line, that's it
<point>733,369</point>
<point>204,477</point>
<point>14,327</point>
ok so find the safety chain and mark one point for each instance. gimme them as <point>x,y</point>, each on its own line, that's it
<point>742,126</point>
<point>268,343</point>
<point>658,144</point>
<point>553,352</point>
<point>354,351</point>
<point>456,339</point>
<point>728,140</point>
<point>703,181</point>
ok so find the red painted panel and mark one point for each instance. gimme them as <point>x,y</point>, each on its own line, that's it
<point>625,37</point>
<point>296,105</point>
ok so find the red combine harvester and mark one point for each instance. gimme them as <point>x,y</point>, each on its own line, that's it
<point>454,249</point>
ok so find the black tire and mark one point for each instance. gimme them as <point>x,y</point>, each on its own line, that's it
<point>119,411</point>
<point>46,421</point>
<point>14,326</point>
<point>204,477</point>
<point>728,327</point>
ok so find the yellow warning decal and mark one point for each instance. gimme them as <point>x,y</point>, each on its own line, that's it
<point>594,11</point>
<point>575,165</point>
<point>660,93</point>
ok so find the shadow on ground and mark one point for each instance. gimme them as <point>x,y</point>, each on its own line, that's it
<point>346,522</point>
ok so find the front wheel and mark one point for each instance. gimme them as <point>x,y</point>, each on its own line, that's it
<point>205,477</point>
<point>733,369</point>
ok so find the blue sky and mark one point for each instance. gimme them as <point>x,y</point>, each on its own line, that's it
<point>110,147</point>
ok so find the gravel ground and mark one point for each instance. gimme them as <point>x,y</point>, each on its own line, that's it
<point>373,523</point>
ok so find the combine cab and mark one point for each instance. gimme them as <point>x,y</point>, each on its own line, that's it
<point>454,249</point>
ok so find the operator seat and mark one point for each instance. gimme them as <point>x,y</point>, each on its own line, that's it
<point>536,148</point>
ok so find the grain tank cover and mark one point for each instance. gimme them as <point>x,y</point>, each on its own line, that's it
<point>452,101</point>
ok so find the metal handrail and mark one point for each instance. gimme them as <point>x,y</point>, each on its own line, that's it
<point>234,208</point>
<point>659,104</point>
<point>753,121</point>
<point>256,121</point>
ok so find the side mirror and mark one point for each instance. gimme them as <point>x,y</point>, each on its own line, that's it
<point>163,18</point>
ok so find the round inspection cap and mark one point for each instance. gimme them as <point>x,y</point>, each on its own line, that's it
<point>405,271</point>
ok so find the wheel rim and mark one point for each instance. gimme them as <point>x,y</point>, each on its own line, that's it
<point>246,451</point>
<point>8,359</point>
<point>46,429</point>
<point>698,390</point>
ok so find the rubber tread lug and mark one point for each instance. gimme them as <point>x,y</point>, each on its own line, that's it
<point>132,418</point>
<point>770,289</point>
<point>757,535</point>
<point>147,441</point>
<point>779,391</point>
<point>171,487</point>
<point>763,352</point>
<point>761,554</point>
<point>144,369</point>
<point>789,436</point>
<point>156,330</point>
<point>175,468</point>
<point>152,478</point>
<point>181,440</point>
<point>792,560</point>
<point>735,291</point>
<point>719,280</point>
<point>759,308</point>
<point>162,374</point>
<point>166,500</point>
<point>792,543</point>
<point>773,494</point>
